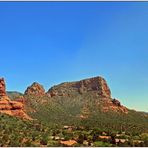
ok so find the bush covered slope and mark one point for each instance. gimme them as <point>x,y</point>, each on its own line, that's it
<point>81,113</point>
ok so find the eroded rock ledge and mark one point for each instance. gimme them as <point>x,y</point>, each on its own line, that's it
<point>13,108</point>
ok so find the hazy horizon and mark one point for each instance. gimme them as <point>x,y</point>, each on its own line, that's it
<point>55,42</point>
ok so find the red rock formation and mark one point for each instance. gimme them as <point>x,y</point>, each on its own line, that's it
<point>3,95</point>
<point>9,107</point>
<point>96,84</point>
<point>35,89</point>
<point>116,102</point>
<point>2,88</point>
<point>113,105</point>
<point>96,87</point>
<point>21,99</point>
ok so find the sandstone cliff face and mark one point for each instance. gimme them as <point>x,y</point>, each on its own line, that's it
<point>3,95</point>
<point>81,93</point>
<point>2,88</point>
<point>9,107</point>
<point>96,88</point>
<point>35,89</point>
<point>96,84</point>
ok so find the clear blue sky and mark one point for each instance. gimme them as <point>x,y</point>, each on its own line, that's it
<point>54,42</point>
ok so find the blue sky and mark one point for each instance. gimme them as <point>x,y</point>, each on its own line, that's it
<point>54,42</point>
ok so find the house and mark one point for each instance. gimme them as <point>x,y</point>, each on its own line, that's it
<point>66,127</point>
<point>105,137</point>
<point>68,143</point>
<point>57,138</point>
<point>120,140</point>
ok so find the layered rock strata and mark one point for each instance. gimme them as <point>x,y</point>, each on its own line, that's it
<point>13,108</point>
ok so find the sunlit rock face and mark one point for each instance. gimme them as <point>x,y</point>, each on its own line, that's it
<point>35,89</point>
<point>3,95</point>
<point>95,88</point>
<point>13,108</point>
<point>95,84</point>
<point>2,87</point>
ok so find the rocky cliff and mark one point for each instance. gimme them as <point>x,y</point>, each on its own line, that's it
<point>96,84</point>
<point>93,89</point>
<point>35,89</point>
<point>82,95</point>
<point>13,108</point>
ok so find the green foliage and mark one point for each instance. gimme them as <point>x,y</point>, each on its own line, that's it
<point>14,95</point>
<point>51,114</point>
<point>60,111</point>
<point>144,136</point>
<point>102,144</point>
<point>15,132</point>
<point>53,143</point>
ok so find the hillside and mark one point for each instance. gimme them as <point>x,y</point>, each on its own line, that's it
<point>81,113</point>
<point>85,103</point>
<point>13,95</point>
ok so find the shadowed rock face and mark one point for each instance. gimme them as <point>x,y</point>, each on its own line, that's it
<point>116,102</point>
<point>96,84</point>
<point>35,89</point>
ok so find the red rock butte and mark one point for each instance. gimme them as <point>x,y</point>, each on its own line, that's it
<point>96,84</point>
